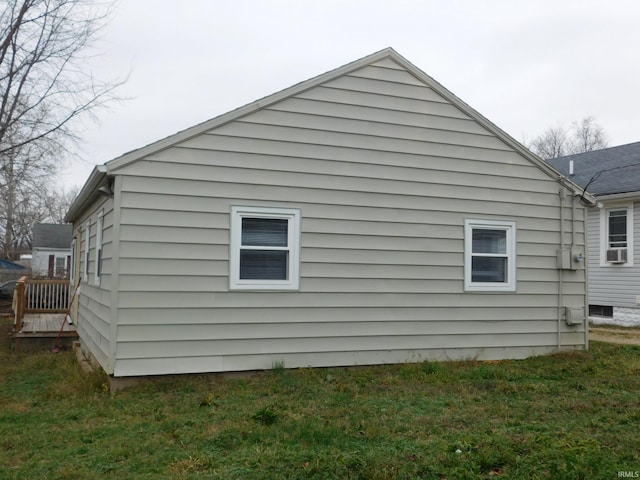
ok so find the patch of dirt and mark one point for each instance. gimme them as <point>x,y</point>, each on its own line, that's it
<point>6,328</point>
<point>626,336</point>
<point>5,307</point>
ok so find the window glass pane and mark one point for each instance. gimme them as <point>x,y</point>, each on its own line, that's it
<point>489,241</point>
<point>489,269</point>
<point>60,266</point>
<point>263,264</point>
<point>264,232</point>
<point>601,310</point>
<point>618,228</point>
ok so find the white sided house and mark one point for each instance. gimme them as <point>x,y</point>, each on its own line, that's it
<point>51,250</point>
<point>365,216</point>
<point>613,230</point>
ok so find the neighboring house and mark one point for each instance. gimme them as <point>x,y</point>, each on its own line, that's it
<point>613,228</point>
<point>365,216</point>
<point>51,251</point>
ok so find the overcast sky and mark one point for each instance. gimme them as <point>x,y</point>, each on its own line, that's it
<point>525,65</point>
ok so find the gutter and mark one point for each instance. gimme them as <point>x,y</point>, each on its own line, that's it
<point>619,196</point>
<point>98,178</point>
<point>586,198</point>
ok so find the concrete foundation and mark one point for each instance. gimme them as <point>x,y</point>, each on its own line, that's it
<point>622,317</point>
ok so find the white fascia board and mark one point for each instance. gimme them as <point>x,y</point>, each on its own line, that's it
<point>96,179</point>
<point>619,196</point>
<point>184,135</point>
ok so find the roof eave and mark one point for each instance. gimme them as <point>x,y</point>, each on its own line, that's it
<point>501,134</point>
<point>196,130</point>
<point>97,179</point>
<point>113,165</point>
<point>619,196</point>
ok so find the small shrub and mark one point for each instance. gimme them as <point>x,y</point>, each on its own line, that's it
<point>208,401</point>
<point>265,416</point>
<point>431,368</point>
<point>278,368</point>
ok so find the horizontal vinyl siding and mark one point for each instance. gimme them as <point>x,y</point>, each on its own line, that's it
<point>191,211</point>
<point>615,285</point>
<point>93,325</point>
<point>341,343</point>
<point>346,160</point>
<point>219,363</point>
<point>94,311</point>
<point>409,180</point>
<point>384,171</point>
<point>467,200</point>
<point>511,320</point>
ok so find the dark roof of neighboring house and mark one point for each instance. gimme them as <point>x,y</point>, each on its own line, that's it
<point>7,265</point>
<point>610,170</point>
<point>51,235</point>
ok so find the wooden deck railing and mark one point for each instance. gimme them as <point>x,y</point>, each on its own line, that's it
<point>40,296</point>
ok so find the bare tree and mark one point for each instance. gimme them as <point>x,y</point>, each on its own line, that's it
<point>582,136</point>
<point>56,203</point>
<point>588,136</point>
<point>554,142</point>
<point>34,202</point>
<point>45,87</point>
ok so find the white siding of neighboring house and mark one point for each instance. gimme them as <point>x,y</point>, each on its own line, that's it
<point>40,259</point>
<point>384,171</point>
<point>614,285</point>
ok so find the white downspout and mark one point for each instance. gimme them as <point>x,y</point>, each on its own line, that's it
<point>586,275</point>
<point>573,245</point>
<point>560,270</point>
<point>586,271</point>
<point>573,223</point>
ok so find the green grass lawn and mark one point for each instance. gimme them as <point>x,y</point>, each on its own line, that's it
<point>570,416</point>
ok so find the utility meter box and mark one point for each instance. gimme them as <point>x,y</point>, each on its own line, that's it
<point>570,259</point>
<point>574,316</point>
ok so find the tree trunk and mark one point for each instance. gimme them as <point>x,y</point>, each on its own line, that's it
<point>10,200</point>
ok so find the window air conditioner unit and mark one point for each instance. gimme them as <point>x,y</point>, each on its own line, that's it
<point>617,255</point>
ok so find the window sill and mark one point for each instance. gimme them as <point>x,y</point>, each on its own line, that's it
<point>264,286</point>
<point>490,289</point>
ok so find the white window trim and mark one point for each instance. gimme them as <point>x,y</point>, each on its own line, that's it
<point>510,228</point>
<point>85,251</point>
<point>604,234</point>
<point>98,267</point>
<point>72,267</point>
<point>293,232</point>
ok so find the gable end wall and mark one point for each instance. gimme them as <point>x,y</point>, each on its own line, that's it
<point>384,171</point>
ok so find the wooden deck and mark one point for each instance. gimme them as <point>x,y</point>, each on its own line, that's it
<point>40,308</point>
<point>42,330</point>
<point>46,324</point>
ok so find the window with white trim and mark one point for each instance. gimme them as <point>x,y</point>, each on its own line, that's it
<point>72,269</point>
<point>616,228</point>
<point>85,251</point>
<point>265,248</point>
<point>61,267</point>
<point>98,270</point>
<point>489,256</point>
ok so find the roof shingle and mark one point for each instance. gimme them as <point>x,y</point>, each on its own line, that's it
<point>607,171</point>
<point>51,235</point>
